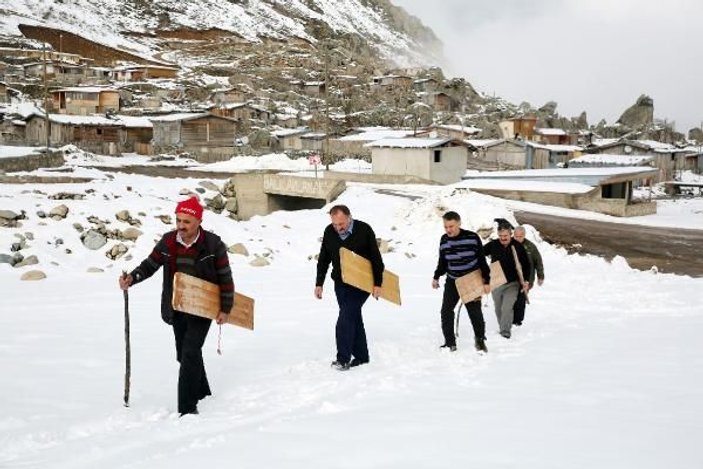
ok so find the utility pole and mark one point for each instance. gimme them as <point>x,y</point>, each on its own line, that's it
<point>326,143</point>
<point>46,100</point>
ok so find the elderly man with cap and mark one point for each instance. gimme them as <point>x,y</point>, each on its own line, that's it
<point>515,264</point>
<point>192,250</point>
<point>536,267</point>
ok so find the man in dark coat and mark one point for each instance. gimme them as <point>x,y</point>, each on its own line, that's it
<point>505,249</point>
<point>192,250</point>
<point>536,267</point>
<point>357,236</point>
<point>460,253</point>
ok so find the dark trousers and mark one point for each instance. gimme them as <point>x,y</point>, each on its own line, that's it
<point>519,308</point>
<point>449,301</point>
<point>350,332</point>
<point>190,332</point>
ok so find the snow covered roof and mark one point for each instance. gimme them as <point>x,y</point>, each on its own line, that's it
<point>372,134</point>
<point>531,186</point>
<point>94,120</point>
<point>482,142</point>
<point>409,143</point>
<point>290,132</point>
<point>137,67</point>
<point>85,89</point>
<point>181,116</point>
<point>545,131</point>
<point>589,176</point>
<point>134,121</point>
<point>467,129</point>
<point>557,148</point>
<point>605,159</point>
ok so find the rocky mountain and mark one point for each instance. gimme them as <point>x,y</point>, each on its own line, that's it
<point>139,26</point>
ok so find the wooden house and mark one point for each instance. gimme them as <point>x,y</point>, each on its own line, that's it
<point>144,72</point>
<point>95,134</point>
<point>522,128</point>
<point>209,137</point>
<point>85,100</point>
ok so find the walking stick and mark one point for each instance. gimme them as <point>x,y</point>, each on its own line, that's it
<point>458,314</point>
<point>520,274</point>
<point>127,351</point>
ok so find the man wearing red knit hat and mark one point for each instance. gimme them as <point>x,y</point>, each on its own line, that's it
<point>192,250</point>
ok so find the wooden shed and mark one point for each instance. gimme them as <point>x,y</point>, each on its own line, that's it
<point>85,100</point>
<point>208,136</point>
<point>95,134</point>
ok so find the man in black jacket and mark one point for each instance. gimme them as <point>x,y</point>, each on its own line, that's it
<point>194,251</point>
<point>460,253</point>
<point>358,237</point>
<point>505,249</point>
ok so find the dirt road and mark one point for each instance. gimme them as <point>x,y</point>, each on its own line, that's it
<point>673,250</point>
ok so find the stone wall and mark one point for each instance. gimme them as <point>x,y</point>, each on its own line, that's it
<point>32,162</point>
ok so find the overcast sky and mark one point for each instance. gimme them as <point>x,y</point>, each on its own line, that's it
<point>596,56</point>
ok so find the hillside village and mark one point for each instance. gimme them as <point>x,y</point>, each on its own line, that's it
<point>220,96</point>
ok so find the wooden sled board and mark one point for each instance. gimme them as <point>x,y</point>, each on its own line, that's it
<point>202,298</point>
<point>356,271</point>
<point>470,286</point>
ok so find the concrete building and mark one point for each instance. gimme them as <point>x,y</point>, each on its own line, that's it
<point>440,160</point>
<point>604,190</point>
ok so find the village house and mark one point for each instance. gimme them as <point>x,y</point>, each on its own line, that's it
<point>136,135</point>
<point>604,190</point>
<point>391,82</point>
<point>457,132</point>
<point>96,134</point>
<point>518,128</point>
<point>85,100</point>
<point>39,70</point>
<point>667,158</point>
<point>289,139</point>
<point>289,121</point>
<point>236,94</point>
<point>143,72</point>
<point>354,144</point>
<point>552,136</point>
<point>241,112</point>
<point>439,101</point>
<point>425,85</point>
<point>207,136</point>
<point>313,142</point>
<point>315,89</point>
<point>540,156</point>
<point>441,160</point>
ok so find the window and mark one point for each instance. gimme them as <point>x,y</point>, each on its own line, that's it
<point>438,156</point>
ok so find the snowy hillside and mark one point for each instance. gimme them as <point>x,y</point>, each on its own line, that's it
<point>114,22</point>
<point>602,373</point>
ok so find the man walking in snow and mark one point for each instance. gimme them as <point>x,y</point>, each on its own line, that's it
<point>357,236</point>
<point>510,253</point>
<point>460,253</point>
<point>194,251</point>
<point>536,266</point>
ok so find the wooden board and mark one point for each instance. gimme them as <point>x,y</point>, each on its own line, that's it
<point>470,286</point>
<point>202,298</point>
<point>357,272</point>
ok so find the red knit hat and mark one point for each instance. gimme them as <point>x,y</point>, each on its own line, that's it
<point>190,207</point>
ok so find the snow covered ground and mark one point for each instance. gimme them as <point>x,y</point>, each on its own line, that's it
<point>606,371</point>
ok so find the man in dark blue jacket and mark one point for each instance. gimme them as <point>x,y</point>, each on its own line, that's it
<point>460,253</point>
<point>358,237</point>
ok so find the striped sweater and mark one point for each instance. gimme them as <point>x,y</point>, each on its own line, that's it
<point>460,255</point>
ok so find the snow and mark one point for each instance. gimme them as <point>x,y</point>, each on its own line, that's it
<point>467,129</point>
<point>520,185</point>
<point>86,89</point>
<point>371,134</point>
<point>82,120</point>
<point>408,143</point>
<point>546,131</point>
<point>562,172</point>
<point>178,116</point>
<point>14,152</point>
<point>604,159</point>
<point>602,374</point>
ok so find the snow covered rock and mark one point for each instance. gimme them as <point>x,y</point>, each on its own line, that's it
<point>29,260</point>
<point>238,248</point>
<point>33,275</point>
<point>59,212</point>
<point>93,239</point>
<point>131,234</point>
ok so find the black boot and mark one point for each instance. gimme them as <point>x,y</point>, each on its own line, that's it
<point>480,344</point>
